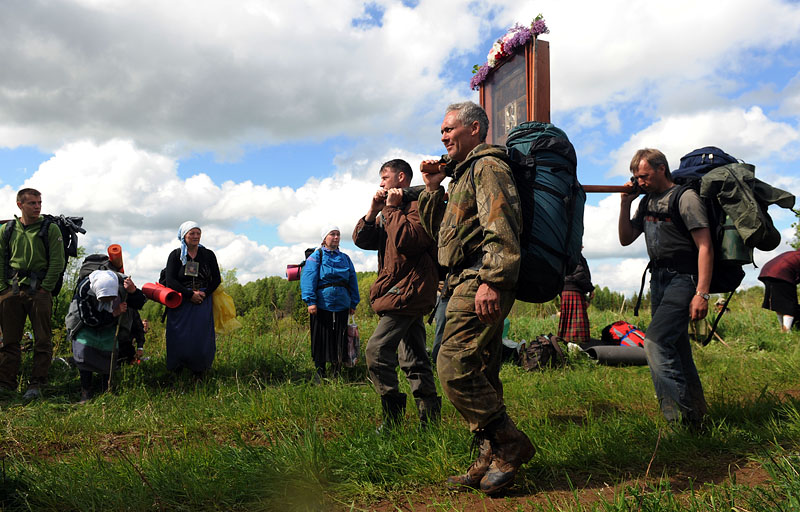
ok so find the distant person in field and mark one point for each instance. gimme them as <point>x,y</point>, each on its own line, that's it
<point>680,278</point>
<point>780,276</point>
<point>193,271</point>
<point>329,287</point>
<point>573,324</point>
<point>100,300</point>
<point>477,228</point>
<point>29,272</point>
<point>404,291</point>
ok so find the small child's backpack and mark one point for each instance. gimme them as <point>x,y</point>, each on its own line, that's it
<point>622,333</point>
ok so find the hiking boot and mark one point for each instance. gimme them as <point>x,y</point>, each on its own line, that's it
<point>392,407</point>
<point>32,394</point>
<point>430,410</point>
<point>472,478</point>
<point>511,448</point>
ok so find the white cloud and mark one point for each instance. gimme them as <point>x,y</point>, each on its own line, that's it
<point>215,74</point>
<point>746,134</point>
<point>135,198</point>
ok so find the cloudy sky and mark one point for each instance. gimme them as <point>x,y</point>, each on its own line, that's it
<point>264,121</point>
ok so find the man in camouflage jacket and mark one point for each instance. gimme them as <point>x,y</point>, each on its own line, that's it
<point>477,226</point>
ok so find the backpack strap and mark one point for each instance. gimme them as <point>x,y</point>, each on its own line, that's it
<point>641,289</point>
<point>43,234</point>
<point>9,229</point>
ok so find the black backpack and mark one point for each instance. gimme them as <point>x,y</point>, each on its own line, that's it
<point>69,227</point>
<point>540,353</point>
<point>91,263</point>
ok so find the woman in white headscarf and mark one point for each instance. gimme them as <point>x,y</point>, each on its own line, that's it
<point>329,287</point>
<point>192,271</point>
<point>100,299</point>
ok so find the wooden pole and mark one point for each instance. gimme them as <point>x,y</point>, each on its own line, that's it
<point>537,55</point>
<point>604,188</point>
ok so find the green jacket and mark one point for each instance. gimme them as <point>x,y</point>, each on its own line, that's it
<point>478,228</point>
<point>27,252</point>
<point>741,195</point>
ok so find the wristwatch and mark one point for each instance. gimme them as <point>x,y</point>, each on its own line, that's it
<point>704,295</point>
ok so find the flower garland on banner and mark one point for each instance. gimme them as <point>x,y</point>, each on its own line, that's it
<point>516,37</point>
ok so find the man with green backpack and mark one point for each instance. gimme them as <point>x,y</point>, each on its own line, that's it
<point>681,267</point>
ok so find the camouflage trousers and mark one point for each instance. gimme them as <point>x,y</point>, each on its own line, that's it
<point>470,356</point>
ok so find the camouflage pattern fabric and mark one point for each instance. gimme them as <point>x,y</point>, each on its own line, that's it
<point>478,240</point>
<point>470,357</point>
<point>480,223</point>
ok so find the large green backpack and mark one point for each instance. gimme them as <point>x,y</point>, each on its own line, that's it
<point>544,166</point>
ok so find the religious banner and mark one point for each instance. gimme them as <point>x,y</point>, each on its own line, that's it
<point>514,83</point>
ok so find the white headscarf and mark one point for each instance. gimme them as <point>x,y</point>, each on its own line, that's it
<point>104,283</point>
<point>327,229</point>
<point>185,228</point>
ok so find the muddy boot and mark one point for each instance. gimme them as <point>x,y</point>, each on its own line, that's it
<point>393,407</point>
<point>511,448</point>
<point>430,410</point>
<point>472,478</point>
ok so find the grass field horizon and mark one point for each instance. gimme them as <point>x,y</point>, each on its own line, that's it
<point>258,434</point>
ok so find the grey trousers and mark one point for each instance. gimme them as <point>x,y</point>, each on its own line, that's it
<point>399,340</point>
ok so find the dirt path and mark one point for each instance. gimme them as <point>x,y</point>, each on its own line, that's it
<point>558,493</point>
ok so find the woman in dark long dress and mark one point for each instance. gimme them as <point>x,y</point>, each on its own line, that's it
<point>329,287</point>
<point>192,271</point>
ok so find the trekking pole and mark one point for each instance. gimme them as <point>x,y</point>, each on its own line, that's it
<point>114,351</point>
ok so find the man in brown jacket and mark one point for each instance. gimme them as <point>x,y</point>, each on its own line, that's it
<point>403,293</point>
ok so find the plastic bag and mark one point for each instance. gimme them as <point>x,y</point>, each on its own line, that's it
<point>225,320</point>
<point>353,343</point>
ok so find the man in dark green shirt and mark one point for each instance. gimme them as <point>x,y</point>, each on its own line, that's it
<point>28,275</point>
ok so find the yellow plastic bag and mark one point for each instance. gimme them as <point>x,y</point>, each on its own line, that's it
<point>225,321</point>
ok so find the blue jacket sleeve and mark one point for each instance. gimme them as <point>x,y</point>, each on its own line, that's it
<point>352,287</point>
<point>309,279</point>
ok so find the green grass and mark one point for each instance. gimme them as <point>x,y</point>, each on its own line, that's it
<point>256,434</point>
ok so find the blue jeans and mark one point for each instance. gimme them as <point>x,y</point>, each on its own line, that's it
<point>669,353</point>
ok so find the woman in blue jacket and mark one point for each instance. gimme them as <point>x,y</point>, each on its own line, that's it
<point>329,287</point>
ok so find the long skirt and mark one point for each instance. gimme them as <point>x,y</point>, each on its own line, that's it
<point>191,341</point>
<point>92,348</point>
<point>328,337</point>
<point>780,297</point>
<point>574,322</point>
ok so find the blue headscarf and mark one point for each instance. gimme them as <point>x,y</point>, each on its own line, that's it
<point>185,228</point>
